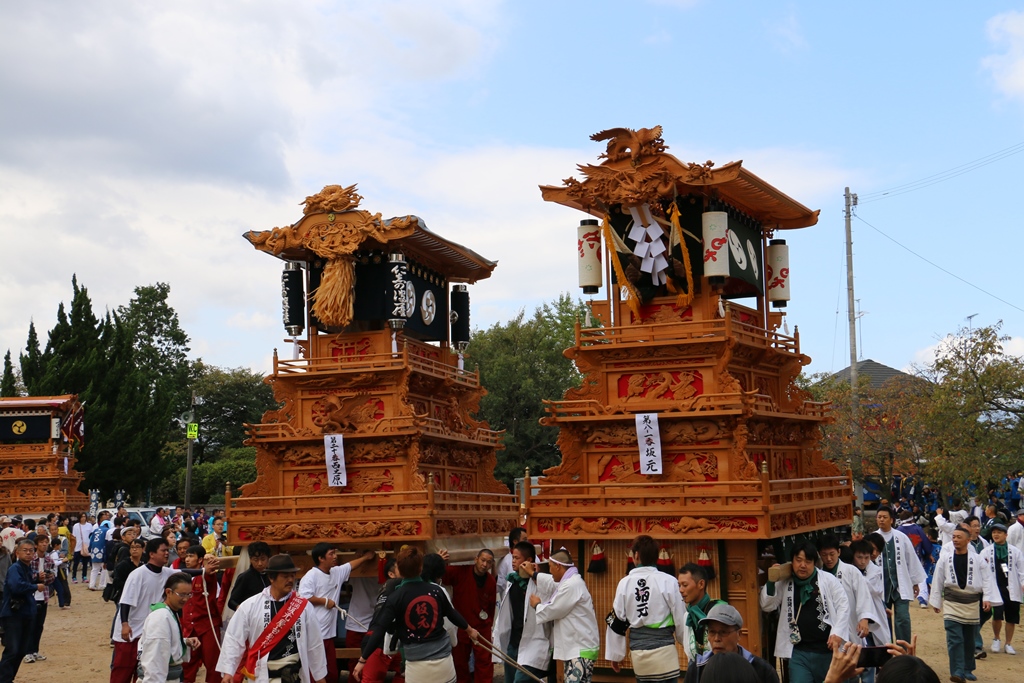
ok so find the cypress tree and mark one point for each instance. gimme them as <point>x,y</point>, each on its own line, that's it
<point>8,385</point>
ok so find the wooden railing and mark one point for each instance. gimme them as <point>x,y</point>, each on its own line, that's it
<point>761,498</point>
<point>376,362</point>
<point>717,328</point>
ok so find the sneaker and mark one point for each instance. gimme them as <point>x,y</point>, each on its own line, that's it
<point>956,679</point>
<point>40,658</point>
<point>1009,649</point>
<point>996,645</point>
<point>74,580</point>
<point>970,677</point>
<point>29,659</point>
<point>980,654</point>
<point>924,605</point>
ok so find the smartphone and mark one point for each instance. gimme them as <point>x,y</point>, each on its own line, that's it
<point>872,657</point>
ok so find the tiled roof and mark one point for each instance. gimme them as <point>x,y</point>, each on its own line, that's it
<point>876,373</point>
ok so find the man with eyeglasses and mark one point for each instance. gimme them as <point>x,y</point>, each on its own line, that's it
<point>723,623</point>
<point>163,649</point>
<point>144,587</point>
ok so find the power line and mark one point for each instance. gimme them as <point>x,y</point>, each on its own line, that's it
<point>948,174</point>
<point>935,265</point>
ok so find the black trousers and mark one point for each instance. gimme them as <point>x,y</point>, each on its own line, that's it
<point>37,628</point>
<point>17,631</point>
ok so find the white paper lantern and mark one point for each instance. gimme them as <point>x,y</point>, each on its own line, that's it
<point>715,234</point>
<point>777,273</point>
<point>588,243</point>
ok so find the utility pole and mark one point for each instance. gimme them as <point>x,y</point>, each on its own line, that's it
<point>191,434</point>
<point>855,460</point>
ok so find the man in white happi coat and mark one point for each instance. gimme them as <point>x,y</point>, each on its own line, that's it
<point>960,583</point>
<point>274,636</point>
<point>901,573</point>
<point>1015,531</point>
<point>1006,565</point>
<point>814,616</point>
<point>516,631</point>
<point>863,617</point>
<point>649,606</point>
<point>570,611</point>
<point>862,554</point>
<point>947,523</point>
<point>163,649</point>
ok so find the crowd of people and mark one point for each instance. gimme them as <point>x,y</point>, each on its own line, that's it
<point>178,605</point>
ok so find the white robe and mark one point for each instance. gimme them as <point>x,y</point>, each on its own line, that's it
<point>858,595</point>
<point>1014,567</point>
<point>248,623</point>
<point>160,643</point>
<point>947,525</point>
<point>1015,534</point>
<point>837,609</point>
<point>909,571</point>
<point>979,579</point>
<point>535,644</point>
<point>876,585</point>
<point>571,614</point>
<point>664,606</point>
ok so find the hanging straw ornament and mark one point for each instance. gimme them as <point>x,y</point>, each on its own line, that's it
<point>665,563</point>
<point>598,563</point>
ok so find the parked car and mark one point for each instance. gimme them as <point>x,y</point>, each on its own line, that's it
<point>141,515</point>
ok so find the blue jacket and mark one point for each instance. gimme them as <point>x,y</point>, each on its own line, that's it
<point>19,584</point>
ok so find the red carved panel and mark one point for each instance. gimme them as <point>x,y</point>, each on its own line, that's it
<point>350,347</point>
<point>679,385</point>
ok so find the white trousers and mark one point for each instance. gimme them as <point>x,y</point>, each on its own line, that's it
<point>97,576</point>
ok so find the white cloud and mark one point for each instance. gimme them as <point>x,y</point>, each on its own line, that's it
<point>1006,33</point>
<point>786,34</point>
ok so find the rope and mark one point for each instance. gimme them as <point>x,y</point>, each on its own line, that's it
<point>505,658</point>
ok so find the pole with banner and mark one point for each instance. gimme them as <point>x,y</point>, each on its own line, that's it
<point>118,498</point>
<point>94,501</point>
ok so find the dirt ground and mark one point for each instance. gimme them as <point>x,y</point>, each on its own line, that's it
<point>76,643</point>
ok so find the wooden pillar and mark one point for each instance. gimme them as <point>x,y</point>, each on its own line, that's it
<point>738,584</point>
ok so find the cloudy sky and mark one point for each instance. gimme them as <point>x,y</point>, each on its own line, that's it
<point>138,141</point>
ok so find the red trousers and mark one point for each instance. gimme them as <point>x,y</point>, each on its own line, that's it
<point>378,664</point>
<point>483,667</point>
<point>353,639</point>
<point>207,655</point>
<point>122,664</point>
<point>332,662</point>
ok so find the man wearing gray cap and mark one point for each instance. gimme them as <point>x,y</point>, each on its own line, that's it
<point>723,623</point>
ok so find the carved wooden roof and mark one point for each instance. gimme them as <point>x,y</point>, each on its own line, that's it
<point>37,402</point>
<point>647,174</point>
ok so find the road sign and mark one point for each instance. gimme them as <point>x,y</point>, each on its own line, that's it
<point>192,431</point>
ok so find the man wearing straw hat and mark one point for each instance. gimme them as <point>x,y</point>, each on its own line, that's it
<point>272,635</point>
<point>570,611</point>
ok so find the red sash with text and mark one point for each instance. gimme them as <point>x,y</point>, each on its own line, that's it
<point>277,629</point>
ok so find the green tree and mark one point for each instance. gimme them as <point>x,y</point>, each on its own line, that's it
<point>8,385</point>
<point>230,399</point>
<point>32,364</point>
<point>521,364</point>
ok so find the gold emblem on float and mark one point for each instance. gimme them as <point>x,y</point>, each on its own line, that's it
<point>18,427</point>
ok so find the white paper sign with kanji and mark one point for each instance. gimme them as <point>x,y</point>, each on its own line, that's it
<point>334,445</point>
<point>648,438</point>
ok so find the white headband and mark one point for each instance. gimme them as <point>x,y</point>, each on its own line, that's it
<point>559,563</point>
